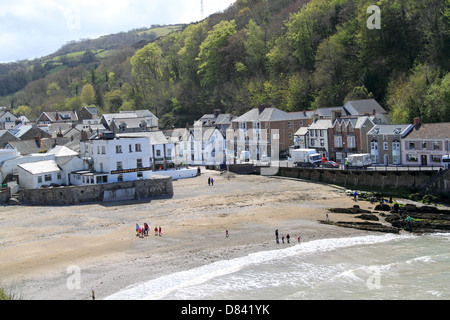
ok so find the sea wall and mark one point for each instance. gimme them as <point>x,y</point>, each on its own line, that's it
<point>73,195</point>
<point>378,179</point>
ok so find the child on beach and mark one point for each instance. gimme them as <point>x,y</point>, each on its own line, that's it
<point>156,231</point>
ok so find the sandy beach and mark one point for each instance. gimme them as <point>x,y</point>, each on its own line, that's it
<point>40,247</point>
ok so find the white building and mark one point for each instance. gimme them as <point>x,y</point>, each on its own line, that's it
<point>7,120</point>
<point>34,175</point>
<point>114,159</point>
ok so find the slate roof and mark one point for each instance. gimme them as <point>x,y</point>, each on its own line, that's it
<point>431,131</point>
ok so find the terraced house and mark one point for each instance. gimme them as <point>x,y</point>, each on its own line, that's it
<point>426,144</point>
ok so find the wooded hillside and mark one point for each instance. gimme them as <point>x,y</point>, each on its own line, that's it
<point>292,54</point>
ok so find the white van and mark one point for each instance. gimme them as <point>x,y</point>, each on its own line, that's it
<point>446,162</point>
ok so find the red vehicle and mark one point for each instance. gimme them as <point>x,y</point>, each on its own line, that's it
<point>330,164</point>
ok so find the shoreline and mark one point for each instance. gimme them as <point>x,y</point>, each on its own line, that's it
<point>39,245</point>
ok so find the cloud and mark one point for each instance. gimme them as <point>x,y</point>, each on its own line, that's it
<point>31,29</point>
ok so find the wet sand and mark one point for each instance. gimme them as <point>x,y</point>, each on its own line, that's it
<point>43,249</point>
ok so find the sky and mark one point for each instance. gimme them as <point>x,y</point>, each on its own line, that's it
<point>32,29</point>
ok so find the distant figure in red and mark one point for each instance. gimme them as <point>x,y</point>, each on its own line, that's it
<point>156,231</point>
<point>160,233</point>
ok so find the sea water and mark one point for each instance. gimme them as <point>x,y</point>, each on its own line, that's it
<point>383,266</point>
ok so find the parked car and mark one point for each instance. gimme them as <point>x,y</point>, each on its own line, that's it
<point>330,164</point>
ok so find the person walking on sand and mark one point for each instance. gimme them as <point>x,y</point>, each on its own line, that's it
<point>226,233</point>
<point>137,229</point>
<point>298,239</point>
<point>288,237</point>
<point>156,231</point>
<point>209,181</point>
<point>276,236</point>
<point>355,196</point>
<point>282,238</point>
<point>146,229</point>
<point>160,233</point>
<point>212,182</point>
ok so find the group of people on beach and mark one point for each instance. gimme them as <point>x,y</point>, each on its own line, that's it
<point>288,237</point>
<point>142,232</point>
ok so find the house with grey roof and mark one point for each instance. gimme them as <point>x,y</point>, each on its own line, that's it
<point>7,120</point>
<point>426,144</point>
<point>255,130</point>
<point>367,107</point>
<point>48,117</point>
<point>130,121</point>
<point>221,121</point>
<point>348,136</point>
<point>384,142</point>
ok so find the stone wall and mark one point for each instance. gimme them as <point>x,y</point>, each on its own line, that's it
<point>355,178</point>
<point>73,195</point>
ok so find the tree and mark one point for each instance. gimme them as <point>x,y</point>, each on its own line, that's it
<point>147,68</point>
<point>88,94</point>
<point>209,58</point>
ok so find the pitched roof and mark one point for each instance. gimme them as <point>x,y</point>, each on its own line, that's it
<point>361,107</point>
<point>271,114</point>
<point>431,131</point>
<point>391,129</point>
<point>40,167</point>
<point>62,151</point>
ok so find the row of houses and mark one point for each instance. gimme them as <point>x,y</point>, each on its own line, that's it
<point>68,148</point>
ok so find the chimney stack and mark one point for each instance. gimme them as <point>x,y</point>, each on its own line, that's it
<point>262,107</point>
<point>417,123</point>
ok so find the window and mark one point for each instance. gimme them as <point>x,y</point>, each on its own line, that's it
<point>374,158</point>
<point>338,142</point>
<point>158,153</point>
<point>59,176</point>
<point>312,133</point>
<point>119,165</point>
<point>290,125</point>
<point>138,147</point>
<point>395,146</point>
<point>351,142</point>
<point>385,146</point>
<point>436,158</point>
<point>411,157</point>
<point>436,145</point>
<point>424,145</point>
<point>313,142</point>
<point>120,178</point>
<point>411,146</point>
<point>374,146</point>
<point>139,163</point>
<point>48,177</point>
<point>290,135</point>
<point>39,179</point>
<point>130,148</point>
<point>118,149</point>
<point>396,159</point>
<point>140,176</point>
<point>322,142</point>
<point>103,150</point>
